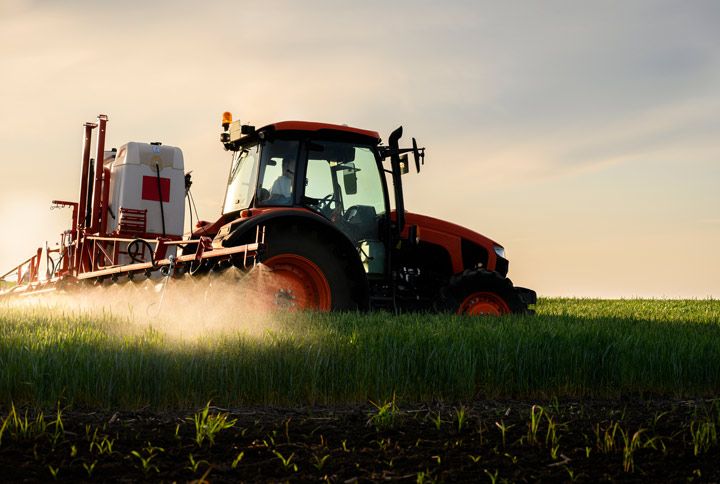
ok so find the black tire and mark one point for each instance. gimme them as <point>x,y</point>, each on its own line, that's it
<point>348,288</point>
<point>478,281</point>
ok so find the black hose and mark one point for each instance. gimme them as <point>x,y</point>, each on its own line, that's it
<point>50,263</point>
<point>192,199</point>
<point>132,251</point>
<point>160,198</point>
<point>56,263</point>
<point>188,184</point>
<point>190,210</point>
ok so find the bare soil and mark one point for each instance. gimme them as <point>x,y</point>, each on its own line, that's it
<point>572,441</point>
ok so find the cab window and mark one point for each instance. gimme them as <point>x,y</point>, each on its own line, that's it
<point>277,173</point>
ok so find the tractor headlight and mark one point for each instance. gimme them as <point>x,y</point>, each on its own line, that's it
<point>500,251</point>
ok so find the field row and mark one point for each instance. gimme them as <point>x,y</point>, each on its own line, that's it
<point>482,442</point>
<point>572,348</point>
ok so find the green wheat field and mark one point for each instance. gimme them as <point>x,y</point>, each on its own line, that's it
<point>573,348</point>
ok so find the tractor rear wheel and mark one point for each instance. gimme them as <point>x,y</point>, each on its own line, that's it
<point>307,273</point>
<point>480,293</point>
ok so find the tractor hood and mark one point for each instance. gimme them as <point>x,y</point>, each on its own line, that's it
<point>424,221</point>
<point>458,241</point>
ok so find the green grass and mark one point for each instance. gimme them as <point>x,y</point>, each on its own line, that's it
<point>576,348</point>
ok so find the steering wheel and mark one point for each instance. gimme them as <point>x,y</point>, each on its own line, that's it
<point>326,205</point>
<point>325,202</point>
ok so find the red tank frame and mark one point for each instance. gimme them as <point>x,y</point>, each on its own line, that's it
<point>88,252</point>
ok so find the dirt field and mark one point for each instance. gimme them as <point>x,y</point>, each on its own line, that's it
<point>629,440</point>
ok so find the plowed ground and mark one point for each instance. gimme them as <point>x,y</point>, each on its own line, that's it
<point>588,441</point>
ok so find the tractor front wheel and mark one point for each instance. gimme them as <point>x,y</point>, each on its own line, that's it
<point>480,293</point>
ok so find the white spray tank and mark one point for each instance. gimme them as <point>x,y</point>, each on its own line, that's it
<point>147,192</point>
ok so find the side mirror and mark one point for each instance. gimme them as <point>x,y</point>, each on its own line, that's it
<point>350,179</point>
<point>419,155</point>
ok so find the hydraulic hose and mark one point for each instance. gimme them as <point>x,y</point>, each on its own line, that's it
<point>160,198</point>
<point>133,251</point>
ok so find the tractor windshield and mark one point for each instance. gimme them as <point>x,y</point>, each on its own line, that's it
<point>241,182</point>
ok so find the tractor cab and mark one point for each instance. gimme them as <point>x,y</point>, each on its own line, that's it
<point>331,170</point>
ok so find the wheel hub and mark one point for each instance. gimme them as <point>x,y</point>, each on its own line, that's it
<point>284,298</point>
<point>296,282</point>
<point>483,304</point>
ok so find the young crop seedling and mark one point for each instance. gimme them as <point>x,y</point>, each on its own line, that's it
<point>460,417</point>
<point>145,462</point>
<point>424,477</point>
<point>320,461</point>
<point>286,461</point>
<point>492,476</point>
<point>554,450</point>
<point>195,464</point>
<point>3,427</point>
<point>606,440</point>
<point>513,458</point>
<point>503,430</point>
<point>657,417</point>
<point>383,444</point>
<point>104,446</point>
<point>58,428</point>
<point>552,438</point>
<point>385,415</point>
<point>237,460</point>
<point>286,425</point>
<point>208,426</point>
<point>536,414</point>
<point>630,445</point>
<point>54,471</point>
<point>704,436</point>
<point>89,468</point>
<point>270,441</point>
<point>151,449</point>
<point>481,429</point>
<point>571,474</point>
<point>21,427</point>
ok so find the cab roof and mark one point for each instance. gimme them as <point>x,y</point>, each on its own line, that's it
<point>319,127</point>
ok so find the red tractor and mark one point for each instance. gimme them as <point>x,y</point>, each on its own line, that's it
<point>309,201</point>
<point>320,193</point>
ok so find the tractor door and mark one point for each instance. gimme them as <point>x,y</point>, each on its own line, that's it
<point>343,184</point>
<point>243,178</point>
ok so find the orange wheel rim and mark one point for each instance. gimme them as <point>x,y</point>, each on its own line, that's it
<point>297,283</point>
<point>483,303</point>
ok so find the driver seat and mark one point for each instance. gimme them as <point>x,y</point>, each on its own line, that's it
<point>362,222</point>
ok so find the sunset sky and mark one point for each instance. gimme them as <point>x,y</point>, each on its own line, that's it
<point>583,136</point>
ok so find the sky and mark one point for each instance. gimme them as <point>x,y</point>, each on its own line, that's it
<point>582,136</point>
